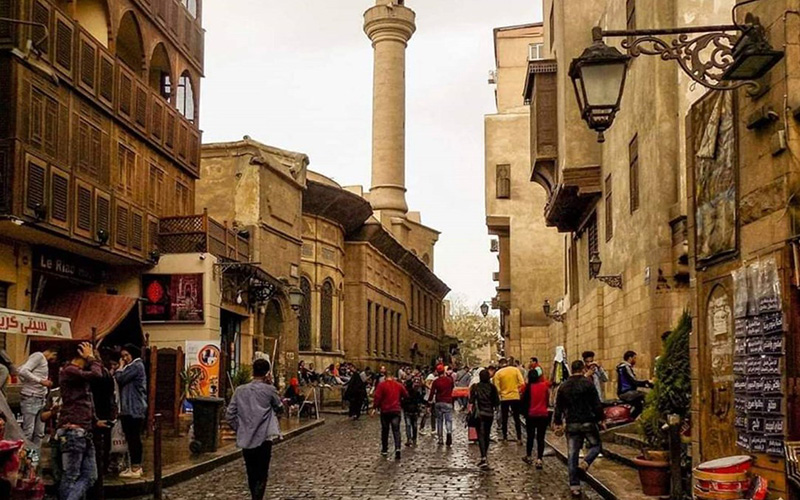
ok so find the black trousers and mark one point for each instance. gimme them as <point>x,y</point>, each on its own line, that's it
<point>256,461</point>
<point>484,434</point>
<point>356,403</point>
<point>387,420</point>
<point>513,406</point>
<point>133,427</point>
<point>536,426</point>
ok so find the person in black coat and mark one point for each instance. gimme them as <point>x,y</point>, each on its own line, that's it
<point>355,394</point>
<point>483,400</point>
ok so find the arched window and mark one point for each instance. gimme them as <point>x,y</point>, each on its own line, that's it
<point>93,17</point>
<point>130,48</point>
<point>305,317</point>
<point>326,317</point>
<point>185,97</point>
<point>160,72</point>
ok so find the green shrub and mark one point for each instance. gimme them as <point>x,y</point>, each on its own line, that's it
<point>672,393</point>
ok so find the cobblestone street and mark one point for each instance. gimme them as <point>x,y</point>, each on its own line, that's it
<point>341,460</point>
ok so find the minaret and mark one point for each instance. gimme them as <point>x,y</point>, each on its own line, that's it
<point>389,25</point>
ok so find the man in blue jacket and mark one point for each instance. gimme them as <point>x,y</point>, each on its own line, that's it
<point>628,385</point>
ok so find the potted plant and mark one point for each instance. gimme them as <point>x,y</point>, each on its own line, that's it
<point>190,387</point>
<point>671,395</point>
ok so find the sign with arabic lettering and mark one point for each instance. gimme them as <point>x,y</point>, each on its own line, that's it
<point>40,325</point>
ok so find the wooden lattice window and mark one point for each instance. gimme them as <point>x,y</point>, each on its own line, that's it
<point>84,209</point>
<point>504,181</point>
<point>609,209</point>
<point>304,334</point>
<point>89,149</point>
<point>141,106</point>
<point>103,213</point>
<point>137,231</point>
<point>64,45</point>
<point>88,56</point>
<point>591,236</point>
<point>122,226</point>
<point>181,199</point>
<point>125,93</point>
<point>59,197</point>
<point>633,153</point>
<point>126,176</point>
<point>107,79</point>
<point>41,14</point>
<point>326,317</point>
<point>369,326</point>
<point>35,186</point>
<point>155,191</point>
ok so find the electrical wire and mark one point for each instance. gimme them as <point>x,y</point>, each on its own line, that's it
<point>739,4</point>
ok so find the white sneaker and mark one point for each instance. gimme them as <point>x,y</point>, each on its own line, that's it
<point>131,474</point>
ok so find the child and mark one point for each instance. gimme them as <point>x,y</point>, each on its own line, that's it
<point>411,408</point>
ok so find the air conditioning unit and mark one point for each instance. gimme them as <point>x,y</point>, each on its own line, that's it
<point>492,77</point>
<point>495,246</point>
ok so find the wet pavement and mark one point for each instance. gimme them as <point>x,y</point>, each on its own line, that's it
<point>341,460</point>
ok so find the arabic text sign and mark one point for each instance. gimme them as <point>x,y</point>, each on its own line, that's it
<point>40,325</point>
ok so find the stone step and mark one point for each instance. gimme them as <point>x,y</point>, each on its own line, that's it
<point>632,440</point>
<point>621,454</point>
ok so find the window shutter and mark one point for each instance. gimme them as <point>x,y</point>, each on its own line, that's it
<point>137,228</point>
<point>64,45</point>
<point>88,54</point>
<point>182,134</point>
<point>41,14</point>
<point>35,118</point>
<point>51,127</point>
<point>158,117</point>
<point>64,144</point>
<point>152,233</point>
<point>125,93</point>
<point>169,132</point>
<point>103,211</point>
<point>59,198</point>
<point>35,185</point>
<point>107,79</point>
<point>84,209</point>
<point>194,149</point>
<point>141,107</point>
<point>122,226</point>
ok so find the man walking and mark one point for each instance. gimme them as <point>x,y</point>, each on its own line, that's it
<point>596,374</point>
<point>75,423</point>
<point>508,381</point>
<point>628,385</point>
<point>579,404</point>
<point>387,399</point>
<point>34,375</point>
<point>442,396</point>
<point>252,413</point>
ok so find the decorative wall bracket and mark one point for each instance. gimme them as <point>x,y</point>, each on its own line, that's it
<point>612,281</point>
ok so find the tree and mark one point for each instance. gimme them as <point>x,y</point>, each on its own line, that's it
<point>474,332</point>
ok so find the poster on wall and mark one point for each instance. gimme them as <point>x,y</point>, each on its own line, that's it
<point>715,163</point>
<point>173,298</point>
<point>202,366</point>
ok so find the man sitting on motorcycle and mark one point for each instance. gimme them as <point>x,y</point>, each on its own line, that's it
<point>628,385</point>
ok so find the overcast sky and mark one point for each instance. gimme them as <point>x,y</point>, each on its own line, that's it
<point>297,74</point>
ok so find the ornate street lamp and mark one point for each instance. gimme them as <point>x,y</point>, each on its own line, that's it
<point>557,316</point>
<point>716,59</point>
<point>598,77</point>
<point>614,281</point>
<point>296,297</point>
<point>485,309</point>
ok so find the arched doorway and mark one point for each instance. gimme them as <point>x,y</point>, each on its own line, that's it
<point>160,72</point>
<point>266,340</point>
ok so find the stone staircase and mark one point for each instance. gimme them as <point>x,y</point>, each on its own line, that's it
<point>623,444</point>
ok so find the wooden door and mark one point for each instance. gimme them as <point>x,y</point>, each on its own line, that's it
<point>716,342</point>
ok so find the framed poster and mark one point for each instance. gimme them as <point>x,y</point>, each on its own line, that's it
<point>173,298</point>
<point>202,365</point>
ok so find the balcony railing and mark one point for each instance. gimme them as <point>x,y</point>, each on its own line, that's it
<point>201,234</point>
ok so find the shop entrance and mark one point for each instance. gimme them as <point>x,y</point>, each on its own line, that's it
<point>230,348</point>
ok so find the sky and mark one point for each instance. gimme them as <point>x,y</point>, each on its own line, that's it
<point>297,74</point>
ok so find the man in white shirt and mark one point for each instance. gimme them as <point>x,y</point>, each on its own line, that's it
<point>35,377</point>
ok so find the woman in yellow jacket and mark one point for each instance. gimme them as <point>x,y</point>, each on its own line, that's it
<point>508,381</point>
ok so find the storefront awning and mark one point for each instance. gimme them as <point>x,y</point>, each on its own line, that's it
<point>39,325</point>
<point>91,310</point>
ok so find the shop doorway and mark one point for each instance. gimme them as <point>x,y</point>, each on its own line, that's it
<point>230,349</point>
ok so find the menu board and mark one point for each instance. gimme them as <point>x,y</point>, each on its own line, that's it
<point>758,364</point>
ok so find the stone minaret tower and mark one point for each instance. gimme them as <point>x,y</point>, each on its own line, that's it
<point>389,25</point>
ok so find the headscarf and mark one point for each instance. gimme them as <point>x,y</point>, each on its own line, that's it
<point>294,382</point>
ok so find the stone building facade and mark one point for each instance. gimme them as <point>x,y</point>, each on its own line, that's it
<point>99,142</point>
<point>529,273</point>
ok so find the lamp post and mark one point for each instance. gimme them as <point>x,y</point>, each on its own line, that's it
<point>614,281</point>
<point>557,316</point>
<point>296,297</point>
<point>716,59</point>
<point>485,309</point>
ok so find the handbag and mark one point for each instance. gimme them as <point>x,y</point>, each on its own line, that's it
<point>473,417</point>
<point>119,445</point>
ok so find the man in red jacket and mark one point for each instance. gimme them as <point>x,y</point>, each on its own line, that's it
<point>442,393</point>
<point>387,399</point>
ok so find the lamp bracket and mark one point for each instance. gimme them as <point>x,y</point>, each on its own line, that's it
<point>614,281</point>
<point>557,316</point>
<point>703,58</point>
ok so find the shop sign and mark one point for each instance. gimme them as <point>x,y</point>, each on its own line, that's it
<point>39,325</point>
<point>202,364</point>
<point>173,298</point>
<point>66,265</point>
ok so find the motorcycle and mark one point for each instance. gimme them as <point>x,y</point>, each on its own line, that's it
<point>616,413</point>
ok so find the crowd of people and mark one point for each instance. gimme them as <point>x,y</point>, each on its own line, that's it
<point>97,394</point>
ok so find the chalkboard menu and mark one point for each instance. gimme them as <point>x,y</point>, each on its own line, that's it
<point>759,358</point>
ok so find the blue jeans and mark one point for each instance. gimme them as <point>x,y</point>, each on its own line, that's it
<point>32,426</point>
<point>444,417</point>
<point>411,427</point>
<point>576,434</point>
<point>79,468</point>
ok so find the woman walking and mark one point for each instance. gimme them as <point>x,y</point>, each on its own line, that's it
<point>132,382</point>
<point>483,400</point>
<point>534,405</point>
<point>355,394</point>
